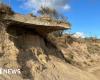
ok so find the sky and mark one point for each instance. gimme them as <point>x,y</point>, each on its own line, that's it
<point>84,15</point>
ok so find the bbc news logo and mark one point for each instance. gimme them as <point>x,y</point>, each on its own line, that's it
<point>9,71</point>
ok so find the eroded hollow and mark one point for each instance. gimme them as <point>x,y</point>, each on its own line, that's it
<point>27,40</point>
<point>32,47</point>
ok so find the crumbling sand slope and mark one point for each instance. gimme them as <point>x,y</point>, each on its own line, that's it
<point>81,53</point>
<point>35,56</point>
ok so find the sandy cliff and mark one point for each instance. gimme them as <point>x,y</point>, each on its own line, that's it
<point>42,58</point>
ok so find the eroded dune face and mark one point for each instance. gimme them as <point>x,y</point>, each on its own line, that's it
<point>24,46</point>
<point>35,57</point>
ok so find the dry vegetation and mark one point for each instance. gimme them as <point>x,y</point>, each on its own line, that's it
<point>77,51</point>
<point>5,10</point>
